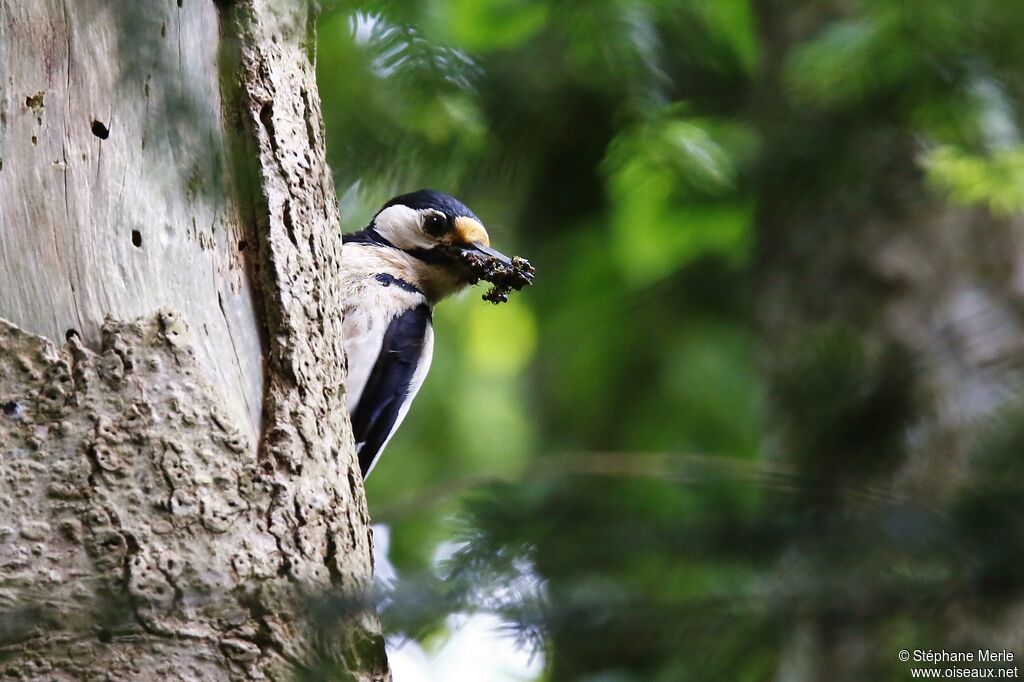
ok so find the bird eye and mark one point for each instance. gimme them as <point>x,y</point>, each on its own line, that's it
<point>435,225</point>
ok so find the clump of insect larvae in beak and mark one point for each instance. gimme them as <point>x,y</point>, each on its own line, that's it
<point>505,276</point>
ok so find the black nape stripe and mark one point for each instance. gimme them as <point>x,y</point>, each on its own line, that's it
<point>370,237</point>
<point>367,235</point>
<point>432,256</point>
<point>387,280</point>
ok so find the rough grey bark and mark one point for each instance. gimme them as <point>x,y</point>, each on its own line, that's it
<point>177,477</point>
<point>115,184</point>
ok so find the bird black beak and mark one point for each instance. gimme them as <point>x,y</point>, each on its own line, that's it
<point>475,250</point>
<point>472,249</point>
<point>484,263</point>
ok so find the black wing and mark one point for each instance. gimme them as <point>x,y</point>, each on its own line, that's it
<point>388,386</point>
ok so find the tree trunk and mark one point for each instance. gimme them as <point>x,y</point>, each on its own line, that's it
<point>177,474</point>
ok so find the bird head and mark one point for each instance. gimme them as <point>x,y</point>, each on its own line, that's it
<point>450,245</point>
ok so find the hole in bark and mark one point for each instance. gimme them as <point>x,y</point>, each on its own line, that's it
<point>242,244</point>
<point>70,334</point>
<point>307,114</point>
<point>105,636</point>
<point>289,224</point>
<point>266,115</point>
<point>100,130</point>
<point>35,140</point>
<point>132,543</point>
<point>11,409</point>
<point>136,238</point>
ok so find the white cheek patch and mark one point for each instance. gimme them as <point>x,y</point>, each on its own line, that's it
<point>400,225</point>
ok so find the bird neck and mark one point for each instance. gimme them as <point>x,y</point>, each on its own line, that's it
<point>369,259</point>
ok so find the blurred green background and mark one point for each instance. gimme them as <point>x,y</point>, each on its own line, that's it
<point>758,418</point>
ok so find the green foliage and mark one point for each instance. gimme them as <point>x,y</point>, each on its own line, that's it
<point>486,26</point>
<point>632,149</point>
<point>672,185</point>
<point>838,397</point>
<point>996,181</point>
